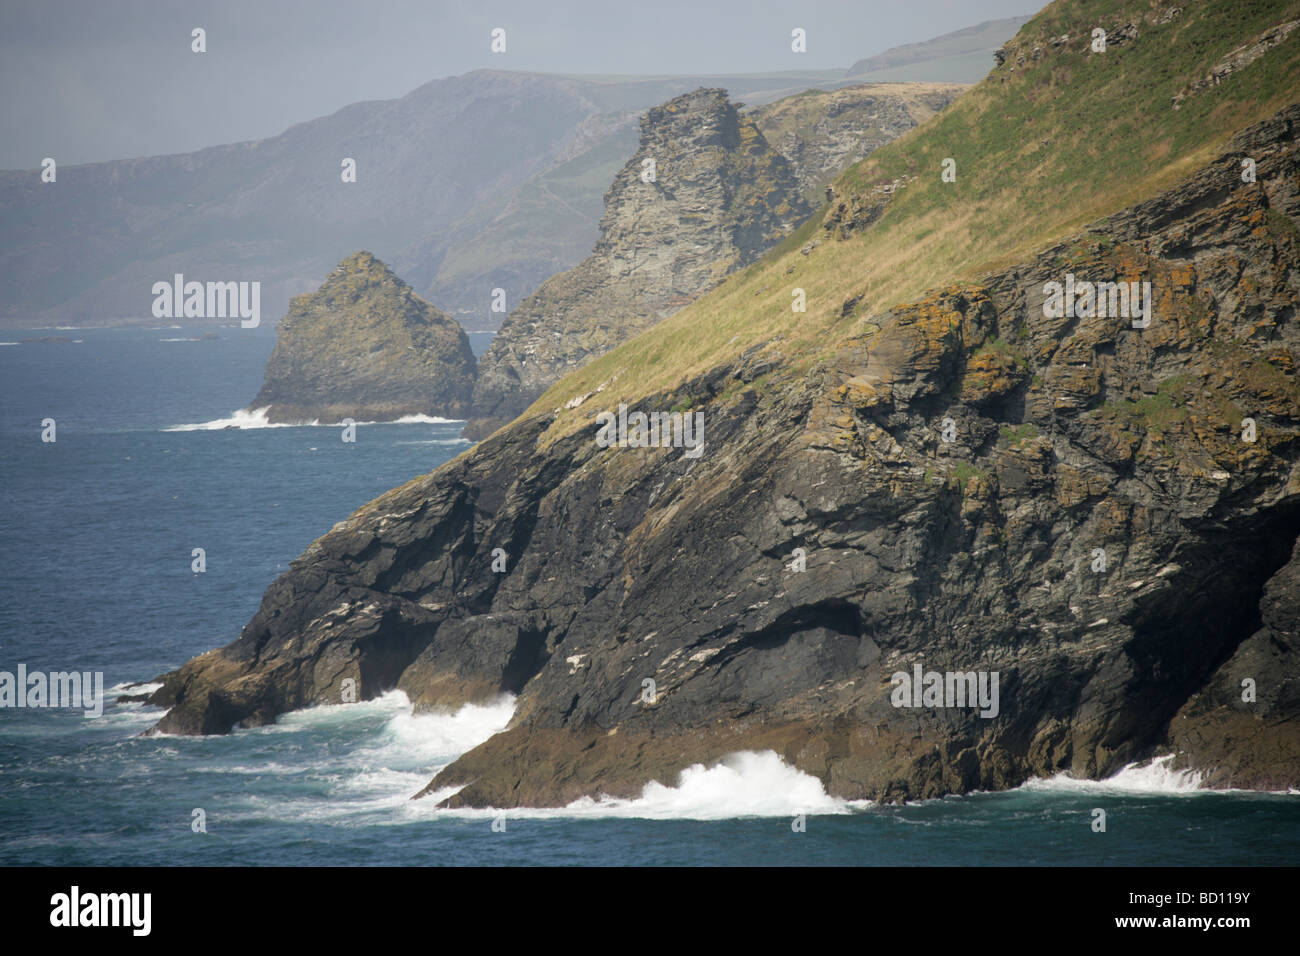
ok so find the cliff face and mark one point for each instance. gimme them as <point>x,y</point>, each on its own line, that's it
<point>364,346</point>
<point>822,134</point>
<point>1070,437</point>
<point>720,197</point>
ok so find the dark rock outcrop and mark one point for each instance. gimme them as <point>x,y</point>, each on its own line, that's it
<point>1238,59</point>
<point>1070,437</point>
<point>364,346</point>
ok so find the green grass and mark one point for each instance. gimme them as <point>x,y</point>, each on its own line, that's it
<point>1282,226</point>
<point>1015,434</point>
<point>1167,407</point>
<point>1001,345</point>
<point>962,472</point>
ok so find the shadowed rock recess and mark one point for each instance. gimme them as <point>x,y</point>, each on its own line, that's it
<point>364,346</point>
<point>720,196</point>
<point>1073,434</point>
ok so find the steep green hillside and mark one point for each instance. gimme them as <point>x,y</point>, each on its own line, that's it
<point>1054,138</point>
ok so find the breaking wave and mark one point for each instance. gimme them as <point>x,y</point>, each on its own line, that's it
<point>372,778</point>
<point>743,784</point>
<point>256,418</point>
<point>242,418</point>
<point>1151,776</point>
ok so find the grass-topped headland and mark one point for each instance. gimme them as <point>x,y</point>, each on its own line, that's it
<point>1054,138</point>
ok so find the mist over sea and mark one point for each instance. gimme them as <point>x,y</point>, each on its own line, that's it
<point>96,538</point>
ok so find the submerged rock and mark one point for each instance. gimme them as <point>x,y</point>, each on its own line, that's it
<point>364,346</point>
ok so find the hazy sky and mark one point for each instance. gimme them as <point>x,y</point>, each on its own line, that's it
<point>88,80</point>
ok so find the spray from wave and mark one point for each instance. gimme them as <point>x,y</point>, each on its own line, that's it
<point>418,420</point>
<point>379,754</point>
<point>241,418</point>
<point>1152,776</point>
<point>744,784</point>
<point>396,752</point>
<point>245,418</point>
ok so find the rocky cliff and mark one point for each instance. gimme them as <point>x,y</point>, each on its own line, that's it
<point>1092,526</point>
<point>716,198</point>
<point>1039,422</point>
<point>364,346</point>
<point>822,133</point>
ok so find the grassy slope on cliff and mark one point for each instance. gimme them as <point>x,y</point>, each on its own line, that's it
<point>1042,149</point>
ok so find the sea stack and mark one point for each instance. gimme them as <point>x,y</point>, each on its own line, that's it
<point>364,346</point>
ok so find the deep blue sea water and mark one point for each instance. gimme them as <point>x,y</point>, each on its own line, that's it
<point>96,534</point>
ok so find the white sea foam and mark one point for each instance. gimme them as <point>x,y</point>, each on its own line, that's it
<point>10,343</point>
<point>131,715</point>
<point>134,715</point>
<point>326,716</point>
<point>406,739</point>
<point>1153,776</point>
<point>374,781</point>
<point>409,749</point>
<point>417,740</point>
<point>743,784</point>
<point>180,340</point>
<point>245,418</point>
<point>133,688</point>
<point>418,420</point>
<point>379,776</point>
<point>241,418</point>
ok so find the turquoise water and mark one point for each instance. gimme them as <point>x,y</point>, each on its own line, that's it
<point>95,550</point>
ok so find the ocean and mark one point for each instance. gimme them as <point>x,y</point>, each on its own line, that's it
<point>97,539</point>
